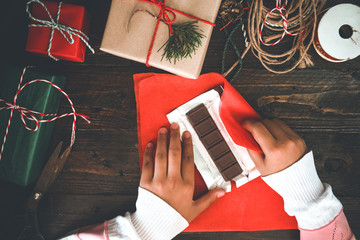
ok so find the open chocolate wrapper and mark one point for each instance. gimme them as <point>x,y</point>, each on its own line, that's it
<point>218,159</point>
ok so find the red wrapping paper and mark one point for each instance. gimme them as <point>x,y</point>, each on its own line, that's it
<point>253,206</point>
<point>70,15</point>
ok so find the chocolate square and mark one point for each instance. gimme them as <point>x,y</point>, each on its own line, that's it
<point>226,160</point>
<point>218,150</point>
<point>212,138</point>
<point>231,172</point>
<point>197,114</point>
<point>205,127</point>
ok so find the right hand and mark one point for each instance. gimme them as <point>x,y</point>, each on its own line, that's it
<point>170,175</point>
<point>281,146</point>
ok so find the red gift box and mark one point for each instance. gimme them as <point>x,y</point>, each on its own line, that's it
<point>39,37</point>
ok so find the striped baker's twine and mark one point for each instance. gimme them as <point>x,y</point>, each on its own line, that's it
<point>66,31</point>
<point>31,114</point>
<point>281,9</point>
<point>290,25</point>
<point>246,39</point>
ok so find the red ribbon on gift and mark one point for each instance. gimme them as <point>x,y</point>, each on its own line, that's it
<point>31,114</point>
<point>164,16</point>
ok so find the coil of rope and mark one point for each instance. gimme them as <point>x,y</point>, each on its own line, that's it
<point>268,27</point>
<point>298,19</point>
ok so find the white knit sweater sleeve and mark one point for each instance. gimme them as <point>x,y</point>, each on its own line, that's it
<point>305,196</point>
<point>154,219</point>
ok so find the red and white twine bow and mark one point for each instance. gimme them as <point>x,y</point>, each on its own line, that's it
<point>31,115</point>
<point>280,7</point>
<point>55,25</point>
<point>164,16</point>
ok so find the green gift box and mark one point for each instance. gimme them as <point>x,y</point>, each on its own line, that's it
<point>25,151</point>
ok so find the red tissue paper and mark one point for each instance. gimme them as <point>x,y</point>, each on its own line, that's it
<point>72,16</point>
<point>253,206</point>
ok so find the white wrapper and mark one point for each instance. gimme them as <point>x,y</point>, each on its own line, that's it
<point>203,161</point>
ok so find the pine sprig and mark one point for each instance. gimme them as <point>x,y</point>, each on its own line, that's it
<point>184,42</point>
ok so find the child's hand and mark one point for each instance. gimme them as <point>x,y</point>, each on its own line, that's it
<point>281,145</point>
<point>171,176</point>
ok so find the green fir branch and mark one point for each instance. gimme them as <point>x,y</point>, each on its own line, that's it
<point>184,42</point>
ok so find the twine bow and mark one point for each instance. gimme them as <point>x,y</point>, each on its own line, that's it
<point>280,7</point>
<point>164,16</point>
<point>31,115</point>
<point>66,31</point>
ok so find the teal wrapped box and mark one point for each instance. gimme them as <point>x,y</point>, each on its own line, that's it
<point>24,152</point>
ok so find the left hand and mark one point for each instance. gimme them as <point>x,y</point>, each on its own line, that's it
<point>171,175</point>
<point>281,146</point>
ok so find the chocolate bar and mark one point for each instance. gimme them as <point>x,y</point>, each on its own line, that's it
<point>214,142</point>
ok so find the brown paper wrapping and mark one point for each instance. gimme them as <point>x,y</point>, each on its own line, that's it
<point>129,32</point>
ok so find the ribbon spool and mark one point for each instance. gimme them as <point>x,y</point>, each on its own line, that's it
<point>337,37</point>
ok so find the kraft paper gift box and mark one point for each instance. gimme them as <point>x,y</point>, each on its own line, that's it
<point>25,151</point>
<point>131,24</point>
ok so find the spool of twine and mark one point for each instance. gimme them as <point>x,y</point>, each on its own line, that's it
<point>301,20</point>
<point>290,52</point>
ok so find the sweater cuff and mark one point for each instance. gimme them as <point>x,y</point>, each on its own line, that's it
<point>121,228</point>
<point>155,219</point>
<point>338,228</point>
<point>305,196</point>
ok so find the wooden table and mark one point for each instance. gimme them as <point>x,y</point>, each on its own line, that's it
<point>101,177</point>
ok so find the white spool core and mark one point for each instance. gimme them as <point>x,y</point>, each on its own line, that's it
<point>339,32</point>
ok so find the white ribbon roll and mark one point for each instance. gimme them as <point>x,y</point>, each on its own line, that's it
<point>338,33</point>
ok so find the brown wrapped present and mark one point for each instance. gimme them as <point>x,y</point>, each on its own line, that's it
<point>138,30</point>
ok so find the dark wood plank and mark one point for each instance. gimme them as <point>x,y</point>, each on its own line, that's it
<point>65,211</point>
<point>101,178</point>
